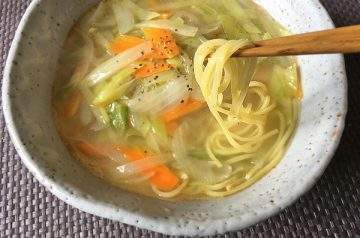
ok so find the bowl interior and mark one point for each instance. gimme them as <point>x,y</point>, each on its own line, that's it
<point>27,90</point>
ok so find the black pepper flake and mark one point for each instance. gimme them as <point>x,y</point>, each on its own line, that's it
<point>176,29</point>
<point>156,77</point>
<point>178,76</point>
<point>182,101</point>
<point>142,53</point>
<point>145,151</point>
<point>140,64</point>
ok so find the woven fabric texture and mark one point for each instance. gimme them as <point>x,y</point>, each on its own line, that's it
<point>330,209</point>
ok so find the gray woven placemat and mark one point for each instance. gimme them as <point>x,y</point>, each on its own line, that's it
<point>331,208</point>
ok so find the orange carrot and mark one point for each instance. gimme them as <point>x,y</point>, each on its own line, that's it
<point>163,177</point>
<point>152,68</point>
<point>181,110</point>
<point>164,45</point>
<point>71,106</point>
<point>123,43</point>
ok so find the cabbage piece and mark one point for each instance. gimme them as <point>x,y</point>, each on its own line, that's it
<point>119,116</point>
<point>176,25</point>
<point>118,62</point>
<point>193,42</point>
<point>102,118</point>
<point>161,97</point>
<point>124,17</point>
<point>173,5</point>
<point>182,63</point>
<point>140,123</point>
<point>115,88</point>
<point>232,29</point>
<point>140,13</point>
<point>283,83</point>
<point>159,130</point>
<point>154,81</point>
<point>207,13</point>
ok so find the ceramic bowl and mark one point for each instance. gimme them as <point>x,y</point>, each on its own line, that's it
<point>27,84</point>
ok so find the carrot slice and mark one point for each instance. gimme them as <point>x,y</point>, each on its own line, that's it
<point>164,44</point>
<point>181,110</point>
<point>163,177</point>
<point>152,68</point>
<point>123,43</point>
<point>71,106</point>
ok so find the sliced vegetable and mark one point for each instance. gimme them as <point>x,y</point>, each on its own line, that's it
<point>139,12</point>
<point>153,82</point>
<point>284,83</point>
<point>140,122</point>
<point>115,64</point>
<point>119,116</point>
<point>71,106</point>
<point>192,42</point>
<point>159,130</point>
<point>115,88</point>
<point>232,29</point>
<point>167,5</point>
<point>163,43</point>
<point>175,25</point>
<point>152,68</point>
<point>161,97</point>
<point>163,178</point>
<point>123,43</point>
<point>182,63</point>
<point>124,17</point>
<point>206,12</point>
<point>182,110</point>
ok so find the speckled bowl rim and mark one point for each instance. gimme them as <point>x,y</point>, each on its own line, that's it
<point>129,217</point>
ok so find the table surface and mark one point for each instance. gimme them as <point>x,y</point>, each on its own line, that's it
<point>331,208</point>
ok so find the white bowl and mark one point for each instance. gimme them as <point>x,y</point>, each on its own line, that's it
<point>26,97</point>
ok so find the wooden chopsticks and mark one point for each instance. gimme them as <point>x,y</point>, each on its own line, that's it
<point>339,40</point>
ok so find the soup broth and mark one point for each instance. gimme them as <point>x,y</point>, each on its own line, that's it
<point>149,99</point>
